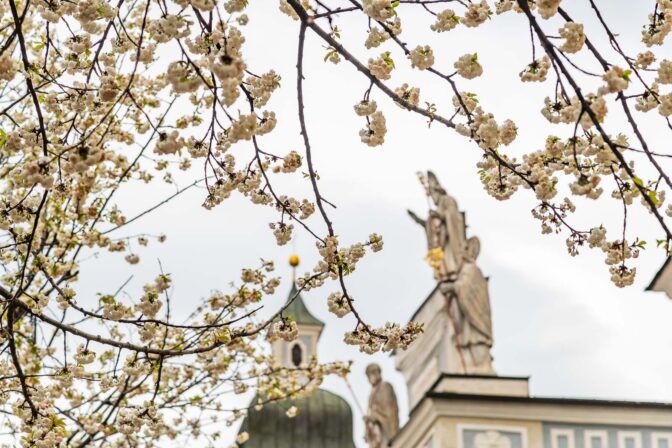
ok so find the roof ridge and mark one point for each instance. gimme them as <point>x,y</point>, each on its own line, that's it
<point>298,310</point>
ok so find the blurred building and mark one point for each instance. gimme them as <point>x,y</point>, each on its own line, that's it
<point>456,398</point>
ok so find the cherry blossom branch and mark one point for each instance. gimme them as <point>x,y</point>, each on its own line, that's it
<point>550,51</point>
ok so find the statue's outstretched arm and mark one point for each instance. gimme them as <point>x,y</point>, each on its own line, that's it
<point>415,218</point>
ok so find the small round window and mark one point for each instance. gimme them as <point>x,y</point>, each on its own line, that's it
<point>297,355</point>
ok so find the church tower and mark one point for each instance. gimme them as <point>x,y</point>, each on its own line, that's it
<point>324,419</point>
<point>298,352</point>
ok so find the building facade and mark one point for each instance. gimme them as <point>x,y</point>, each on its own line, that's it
<point>460,411</point>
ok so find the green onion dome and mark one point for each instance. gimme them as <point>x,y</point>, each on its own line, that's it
<point>323,420</point>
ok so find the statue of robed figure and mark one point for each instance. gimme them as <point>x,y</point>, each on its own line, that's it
<point>460,279</point>
<point>445,229</point>
<point>382,417</point>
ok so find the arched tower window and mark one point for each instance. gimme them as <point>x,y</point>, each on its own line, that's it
<point>297,355</point>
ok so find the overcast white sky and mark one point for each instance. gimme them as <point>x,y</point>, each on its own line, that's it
<point>556,318</point>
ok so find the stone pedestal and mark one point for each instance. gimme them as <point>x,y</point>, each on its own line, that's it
<point>433,353</point>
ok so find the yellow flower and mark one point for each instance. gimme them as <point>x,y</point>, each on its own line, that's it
<point>434,257</point>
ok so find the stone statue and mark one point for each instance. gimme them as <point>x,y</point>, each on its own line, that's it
<point>460,280</point>
<point>445,229</point>
<point>469,306</point>
<point>382,417</point>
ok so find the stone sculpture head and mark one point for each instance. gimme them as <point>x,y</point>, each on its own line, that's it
<point>473,248</point>
<point>434,187</point>
<point>373,373</point>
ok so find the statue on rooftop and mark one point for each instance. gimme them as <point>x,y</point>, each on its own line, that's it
<point>382,417</point>
<point>461,281</point>
<point>445,230</point>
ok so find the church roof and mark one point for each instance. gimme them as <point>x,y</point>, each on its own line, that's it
<point>297,310</point>
<point>324,420</point>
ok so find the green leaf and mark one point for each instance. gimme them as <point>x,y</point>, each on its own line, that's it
<point>3,138</point>
<point>388,60</point>
<point>107,299</point>
<point>654,198</point>
<point>638,181</point>
<point>336,33</point>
